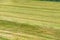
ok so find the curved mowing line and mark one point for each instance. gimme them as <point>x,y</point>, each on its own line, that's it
<point>18,34</point>
<point>35,19</point>
<point>29,14</point>
<point>31,7</point>
<point>24,35</point>
<point>30,31</point>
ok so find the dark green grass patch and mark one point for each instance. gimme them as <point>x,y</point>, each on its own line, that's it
<point>18,27</point>
<point>1,38</point>
<point>28,29</point>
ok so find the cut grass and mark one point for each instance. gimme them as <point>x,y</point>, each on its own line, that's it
<point>29,29</point>
<point>34,20</point>
<point>1,38</point>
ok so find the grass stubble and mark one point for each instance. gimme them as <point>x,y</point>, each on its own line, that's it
<point>33,20</point>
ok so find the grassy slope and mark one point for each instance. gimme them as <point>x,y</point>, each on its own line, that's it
<point>35,20</point>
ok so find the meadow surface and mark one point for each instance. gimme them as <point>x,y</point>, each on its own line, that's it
<point>29,20</point>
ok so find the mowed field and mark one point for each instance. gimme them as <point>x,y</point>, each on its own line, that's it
<point>29,20</point>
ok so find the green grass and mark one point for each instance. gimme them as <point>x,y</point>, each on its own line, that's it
<point>29,20</point>
<point>1,38</point>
